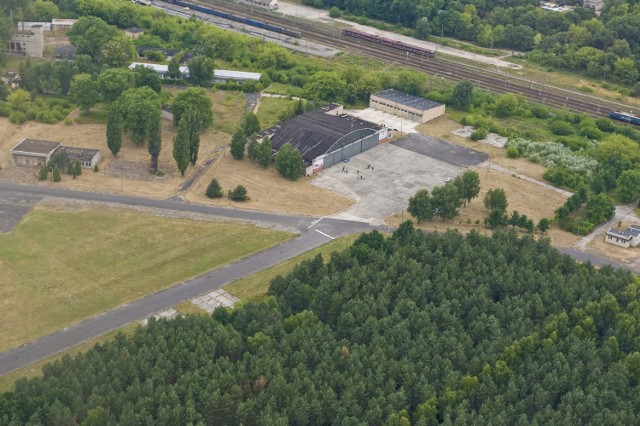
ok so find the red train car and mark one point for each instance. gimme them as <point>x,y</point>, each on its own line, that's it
<point>390,43</point>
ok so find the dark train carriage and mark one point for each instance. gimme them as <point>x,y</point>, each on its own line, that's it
<point>389,43</point>
<point>232,17</point>
<point>626,117</point>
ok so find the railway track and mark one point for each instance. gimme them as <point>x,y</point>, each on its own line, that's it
<point>437,67</point>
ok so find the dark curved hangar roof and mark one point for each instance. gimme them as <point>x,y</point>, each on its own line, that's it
<point>315,132</point>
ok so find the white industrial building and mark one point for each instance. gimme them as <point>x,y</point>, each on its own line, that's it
<point>404,105</point>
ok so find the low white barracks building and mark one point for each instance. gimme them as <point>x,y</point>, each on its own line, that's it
<point>626,238</point>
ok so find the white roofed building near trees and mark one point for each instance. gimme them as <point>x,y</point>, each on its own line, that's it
<point>219,76</point>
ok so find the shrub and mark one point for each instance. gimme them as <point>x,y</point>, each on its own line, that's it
<point>56,174</point>
<point>214,190</point>
<point>574,142</point>
<point>239,193</point>
<point>512,152</point>
<point>563,177</point>
<point>68,122</point>
<point>540,111</point>
<point>96,169</point>
<point>559,127</point>
<point>591,132</point>
<point>5,109</point>
<point>554,154</point>
<point>17,117</point>
<point>605,124</point>
<point>43,174</point>
<point>478,134</point>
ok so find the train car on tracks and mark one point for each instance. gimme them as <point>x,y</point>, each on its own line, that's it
<point>232,17</point>
<point>626,117</point>
<point>390,43</point>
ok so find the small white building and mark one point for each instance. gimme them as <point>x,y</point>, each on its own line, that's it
<point>26,25</point>
<point>626,238</point>
<point>88,158</point>
<point>34,152</point>
<point>62,24</point>
<point>133,32</point>
<point>219,76</point>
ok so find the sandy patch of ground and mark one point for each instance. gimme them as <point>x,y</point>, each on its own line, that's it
<point>526,197</point>
<point>491,139</point>
<point>267,190</point>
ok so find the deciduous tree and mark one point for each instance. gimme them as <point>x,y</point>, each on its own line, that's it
<point>90,35</point>
<point>237,145</point>
<point>462,95</point>
<point>118,51</point>
<point>289,162</point>
<point>200,70</point>
<point>468,185</point>
<point>446,201</point>
<point>599,209</point>
<point>84,91</point>
<point>421,206</point>
<point>113,82</point>
<point>146,77</point>
<point>140,107</point>
<point>265,151</point>
<point>629,185</point>
<point>251,124</point>
<point>495,198</point>
<point>195,98</point>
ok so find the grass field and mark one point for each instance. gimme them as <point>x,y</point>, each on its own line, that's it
<point>98,116</point>
<point>270,109</point>
<point>284,89</point>
<point>257,284</point>
<point>60,267</point>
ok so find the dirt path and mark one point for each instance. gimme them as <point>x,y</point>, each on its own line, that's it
<point>501,169</point>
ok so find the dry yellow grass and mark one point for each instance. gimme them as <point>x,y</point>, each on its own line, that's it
<point>93,136</point>
<point>268,191</point>
<point>57,268</point>
<point>528,198</point>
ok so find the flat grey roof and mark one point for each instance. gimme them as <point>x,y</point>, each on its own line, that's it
<point>35,146</point>
<point>406,99</point>
<point>82,154</point>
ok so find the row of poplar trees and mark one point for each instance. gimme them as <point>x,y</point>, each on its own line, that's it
<point>137,112</point>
